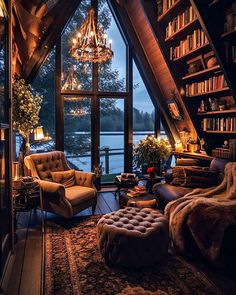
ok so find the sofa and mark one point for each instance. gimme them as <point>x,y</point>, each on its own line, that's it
<point>167,192</point>
<point>64,191</point>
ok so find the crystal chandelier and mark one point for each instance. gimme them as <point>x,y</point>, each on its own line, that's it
<point>90,43</point>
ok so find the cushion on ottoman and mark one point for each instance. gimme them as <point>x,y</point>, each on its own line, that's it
<point>133,237</point>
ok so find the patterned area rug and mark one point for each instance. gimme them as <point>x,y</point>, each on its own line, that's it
<point>73,265</point>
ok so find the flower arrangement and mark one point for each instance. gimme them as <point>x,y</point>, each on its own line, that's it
<point>26,108</point>
<point>151,150</point>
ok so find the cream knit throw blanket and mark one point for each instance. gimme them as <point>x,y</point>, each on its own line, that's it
<point>207,213</point>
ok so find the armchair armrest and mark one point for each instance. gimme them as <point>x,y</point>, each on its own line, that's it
<point>84,178</point>
<point>52,188</point>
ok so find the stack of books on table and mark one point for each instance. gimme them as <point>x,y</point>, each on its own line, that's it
<point>138,190</point>
<point>127,177</point>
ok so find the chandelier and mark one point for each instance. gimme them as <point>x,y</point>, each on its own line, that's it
<point>90,43</point>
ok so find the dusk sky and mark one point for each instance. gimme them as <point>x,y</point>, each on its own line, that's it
<point>142,100</point>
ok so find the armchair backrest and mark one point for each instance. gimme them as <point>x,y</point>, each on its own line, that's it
<point>41,165</point>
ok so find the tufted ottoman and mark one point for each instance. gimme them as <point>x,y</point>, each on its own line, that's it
<point>133,237</point>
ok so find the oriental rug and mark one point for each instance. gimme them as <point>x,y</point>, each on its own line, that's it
<point>73,266</point>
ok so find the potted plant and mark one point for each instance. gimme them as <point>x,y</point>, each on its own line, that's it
<point>151,151</point>
<point>26,108</point>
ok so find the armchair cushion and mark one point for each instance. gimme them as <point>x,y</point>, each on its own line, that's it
<point>84,178</point>
<point>67,178</point>
<point>78,194</point>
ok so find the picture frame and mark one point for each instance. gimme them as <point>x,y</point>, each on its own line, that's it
<point>174,110</point>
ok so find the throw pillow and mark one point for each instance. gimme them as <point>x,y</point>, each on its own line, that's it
<point>178,175</point>
<point>199,178</point>
<point>67,178</point>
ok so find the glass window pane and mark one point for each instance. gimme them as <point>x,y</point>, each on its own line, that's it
<point>111,137</point>
<point>77,131</point>
<point>143,108</point>
<point>75,75</point>
<point>112,73</point>
<point>44,84</point>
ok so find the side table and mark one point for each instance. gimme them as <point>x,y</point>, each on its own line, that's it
<point>27,195</point>
<point>123,185</point>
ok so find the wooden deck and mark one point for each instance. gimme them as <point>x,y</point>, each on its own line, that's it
<point>27,275</point>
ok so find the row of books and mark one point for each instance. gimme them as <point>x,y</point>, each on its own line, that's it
<point>166,4</point>
<point>226,153</point>
<point>211,84</point>
<point>232,148</point>
<point>219,124</point>
<point>193,41</point>
<point>180,21</point>
<point>220,153</point>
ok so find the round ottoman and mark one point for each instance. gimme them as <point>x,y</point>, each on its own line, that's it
<point>133,237</point>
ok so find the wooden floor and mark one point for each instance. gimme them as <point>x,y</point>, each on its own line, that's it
<point>27,275</point>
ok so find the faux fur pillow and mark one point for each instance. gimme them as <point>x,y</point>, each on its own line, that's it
<point>178,175</point>
<point>199,178</point>
<point>67,178</point>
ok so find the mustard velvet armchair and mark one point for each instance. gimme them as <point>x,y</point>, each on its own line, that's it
<point>63,201</point>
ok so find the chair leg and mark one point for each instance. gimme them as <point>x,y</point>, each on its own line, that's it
<point>93,209</point>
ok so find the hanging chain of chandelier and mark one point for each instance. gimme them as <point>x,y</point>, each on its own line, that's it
<point>90,43</point>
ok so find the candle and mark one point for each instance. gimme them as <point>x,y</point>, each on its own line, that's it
<point>178,147</point>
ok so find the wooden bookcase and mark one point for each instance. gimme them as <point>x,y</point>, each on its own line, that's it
<point>198,41</point>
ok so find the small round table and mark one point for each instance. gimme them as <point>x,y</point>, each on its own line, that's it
<point>124,185</point>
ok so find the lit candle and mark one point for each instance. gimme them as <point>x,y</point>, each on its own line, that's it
<point>105,38</point>
<point>178,146</point>
<point>110,42</point>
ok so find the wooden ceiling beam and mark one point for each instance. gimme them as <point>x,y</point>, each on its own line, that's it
<point>65,11</point>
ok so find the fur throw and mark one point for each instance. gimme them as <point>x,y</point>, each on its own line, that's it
<point>207,213</point>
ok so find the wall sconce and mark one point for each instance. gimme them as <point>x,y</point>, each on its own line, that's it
<point>3,10</point>
<point>15,170</point>
<point>38,133</point>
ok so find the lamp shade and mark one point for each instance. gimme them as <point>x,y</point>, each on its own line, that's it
<point>38,133</point>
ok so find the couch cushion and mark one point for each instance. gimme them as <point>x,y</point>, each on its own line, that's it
<point>199,178</point>
<point>67,178</point>
<point>78,194</point>
<point>166,192</point>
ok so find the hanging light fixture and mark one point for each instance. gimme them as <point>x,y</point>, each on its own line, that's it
<point>71,82</point>
<point>90,43</point>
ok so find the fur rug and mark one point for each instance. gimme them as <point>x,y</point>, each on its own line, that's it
<point>207,213</point>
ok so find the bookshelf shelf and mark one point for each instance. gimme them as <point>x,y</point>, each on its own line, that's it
<point>182,30</point>
<point>221,132</point>
<point>168,11</point>
<point>214,2</point>
<point>217,112</point>
<point>191,52</point>
<point>201,73</point>
<point>229,34</point>
<point>218,91</point>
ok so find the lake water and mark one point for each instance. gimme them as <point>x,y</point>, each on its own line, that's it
<point>116,157</point>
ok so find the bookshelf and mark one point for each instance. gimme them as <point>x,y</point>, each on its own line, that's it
<point>201,56</point>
